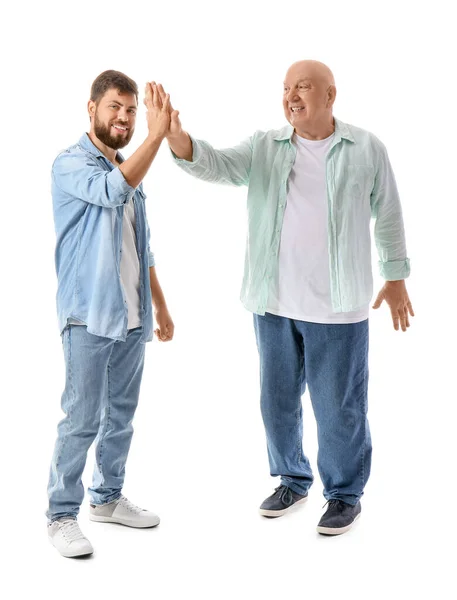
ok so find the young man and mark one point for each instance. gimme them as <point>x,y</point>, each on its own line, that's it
<point>313,187</point>
<point>107,285</point>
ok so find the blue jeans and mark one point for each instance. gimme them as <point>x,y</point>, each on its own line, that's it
<point>103,378</point>
<point>333,361</point>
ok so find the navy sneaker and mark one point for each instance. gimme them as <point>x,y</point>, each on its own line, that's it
<point>281,501</point>
<point>339,517</point>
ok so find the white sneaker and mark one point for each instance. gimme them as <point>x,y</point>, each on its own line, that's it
<point>68,538</point>
<point>124,512</point>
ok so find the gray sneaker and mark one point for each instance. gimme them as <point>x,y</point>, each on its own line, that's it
<point>281,502</point>
<point>339,517</point>
<point>124,512</point>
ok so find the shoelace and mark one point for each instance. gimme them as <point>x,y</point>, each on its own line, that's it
<point>71,531</point>
<point>129,505</point>
<point>285,494</point>
<point>339,504</point>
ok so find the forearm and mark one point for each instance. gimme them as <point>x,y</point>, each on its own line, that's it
<point>158,298</point>
<point>181,145</point>
<point>389,229</point>
<point>391,245</point>
<point>135,168</point>
<point>229,166</point>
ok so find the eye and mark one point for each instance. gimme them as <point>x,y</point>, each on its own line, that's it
<point>132,111</point>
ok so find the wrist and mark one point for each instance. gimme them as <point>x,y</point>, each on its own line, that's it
<point>153,138</point>
<point>395,282</point>
<point>175,137</point>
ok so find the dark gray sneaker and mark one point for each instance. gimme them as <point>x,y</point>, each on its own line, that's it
<point>339,517</point>
<point>281,501</point>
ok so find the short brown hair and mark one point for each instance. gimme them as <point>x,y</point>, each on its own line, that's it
<point>112,80</point>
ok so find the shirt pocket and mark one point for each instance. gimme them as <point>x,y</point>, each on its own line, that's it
<point>358,182</point>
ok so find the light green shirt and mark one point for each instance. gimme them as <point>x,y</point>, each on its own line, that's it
<point>360,186</point>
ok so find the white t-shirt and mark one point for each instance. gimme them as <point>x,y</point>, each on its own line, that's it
<point>301,288</point>
<point>129,268</point>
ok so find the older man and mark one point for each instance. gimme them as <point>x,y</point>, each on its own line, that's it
<point>312,189</point>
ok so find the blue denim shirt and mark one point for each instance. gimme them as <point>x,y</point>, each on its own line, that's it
<point>88,194</point>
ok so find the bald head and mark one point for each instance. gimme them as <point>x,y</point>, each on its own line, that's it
<point>309,94</point>
<point>312,69</point>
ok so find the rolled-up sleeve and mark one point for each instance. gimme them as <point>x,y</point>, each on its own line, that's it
<point>231,166</point>
<point>81,176</point>
<point>389,229</point>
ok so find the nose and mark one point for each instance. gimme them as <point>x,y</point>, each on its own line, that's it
<point>292,95</point>
<point>122,115</point>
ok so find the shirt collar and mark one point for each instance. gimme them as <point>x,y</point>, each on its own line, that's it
<point>86,144</point>
<point>341,132</point>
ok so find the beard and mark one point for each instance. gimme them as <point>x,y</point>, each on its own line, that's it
<point>103,133</point>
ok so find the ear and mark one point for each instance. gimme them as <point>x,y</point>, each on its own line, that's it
<point>331,96</point>
<point>91,106</point>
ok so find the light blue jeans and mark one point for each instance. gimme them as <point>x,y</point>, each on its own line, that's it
<point>103,378</point>
<point>333,361</point>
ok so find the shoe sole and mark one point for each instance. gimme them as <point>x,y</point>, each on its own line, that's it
<point>119,522</point>
<point>279,513</point>
<point>336,530</point>
<point>71,554</point>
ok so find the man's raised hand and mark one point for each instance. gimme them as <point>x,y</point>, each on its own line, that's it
<point>157,103</point>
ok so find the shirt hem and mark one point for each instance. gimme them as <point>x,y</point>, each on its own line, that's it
<point>321,320</point>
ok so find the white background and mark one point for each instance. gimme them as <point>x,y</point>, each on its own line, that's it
<point>198,456</point>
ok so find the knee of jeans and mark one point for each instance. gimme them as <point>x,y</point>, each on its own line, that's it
<point>275,420</point>
<point>348,419</point>
<point>85,428</point>
<point>268,407</point>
